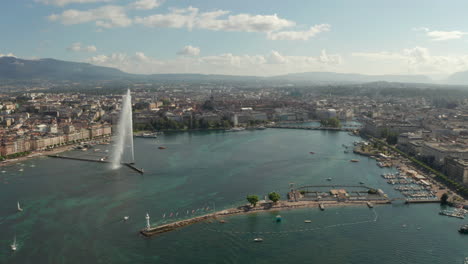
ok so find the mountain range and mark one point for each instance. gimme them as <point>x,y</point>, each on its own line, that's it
<point>51,69</point>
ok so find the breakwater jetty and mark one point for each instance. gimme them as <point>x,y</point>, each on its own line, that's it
<point>322,197</point>
<point>246,209</point>
<point>130,165</point>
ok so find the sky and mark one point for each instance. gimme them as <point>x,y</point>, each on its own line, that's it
<point>242,37</point>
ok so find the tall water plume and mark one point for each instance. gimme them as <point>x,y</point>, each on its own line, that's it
<point>123,150</point>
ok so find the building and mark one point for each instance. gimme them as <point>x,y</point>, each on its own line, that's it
<point>457,169</point>
<point>439,151</point>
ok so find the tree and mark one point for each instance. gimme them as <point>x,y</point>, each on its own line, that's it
<point>252,199</point>
<point>444,198</point>
<point>275,197</point>
<point>330,122</point>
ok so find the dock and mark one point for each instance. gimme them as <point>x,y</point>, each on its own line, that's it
<point>130,165</point>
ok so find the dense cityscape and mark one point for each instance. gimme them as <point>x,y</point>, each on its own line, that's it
<point>435,133</point>
<point>163,131</point>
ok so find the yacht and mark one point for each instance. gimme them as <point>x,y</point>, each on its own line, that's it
<point>14,246</point>
<point>235,129</point>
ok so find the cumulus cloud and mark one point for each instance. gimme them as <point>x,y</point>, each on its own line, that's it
<point>217,20</point>
<point>189,51</point>
<point>227,63</point>
<point>418,60</point>
<point>66,2</point>
<point>7,55</point>
<point>146,4</point>
<point>105,16</point>
<point>299,35</point>
<point>438,35</point>
<point>77,47</point>
<point>189,18</point>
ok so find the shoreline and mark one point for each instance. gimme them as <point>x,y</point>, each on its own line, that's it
<point>43,153</point>
<point>247,209</point>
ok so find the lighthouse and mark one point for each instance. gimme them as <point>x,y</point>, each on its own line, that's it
<point>148,226</point>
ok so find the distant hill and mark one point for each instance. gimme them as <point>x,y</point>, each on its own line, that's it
<point>51,69</point>
<point>351,77</point>
<point>458,78</point>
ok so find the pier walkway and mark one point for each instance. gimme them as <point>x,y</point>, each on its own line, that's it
<point>130,165</point>
<point>281,205</point>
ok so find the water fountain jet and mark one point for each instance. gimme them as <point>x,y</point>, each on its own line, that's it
<point>123,150</point>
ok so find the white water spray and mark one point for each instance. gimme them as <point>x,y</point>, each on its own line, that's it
<point>123,150</point>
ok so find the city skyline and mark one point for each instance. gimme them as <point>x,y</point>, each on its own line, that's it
<point>263,38</point>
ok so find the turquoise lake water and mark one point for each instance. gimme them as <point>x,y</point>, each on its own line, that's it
<point>73,210</point>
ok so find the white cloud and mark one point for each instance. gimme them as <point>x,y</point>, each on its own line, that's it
<point>7,55</point>
<point>332,59</point>
<point>66,2</point>
<point>228,63</point>
<point>417,60</point>
<point>146,4</point>
<point>77,47</point>
<point>189,51</point>
<point>105,16</point>
<point>445,35</point>
<point>276,58</point>
<point>189,18</point>
<point>215,20</point>
<point>299,35</point>
<point>438,35</point>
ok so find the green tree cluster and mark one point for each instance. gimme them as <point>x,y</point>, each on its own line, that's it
<point>330,122</point>
<point>275,197</point>
<point>252,199</point>
<point>15,155</point>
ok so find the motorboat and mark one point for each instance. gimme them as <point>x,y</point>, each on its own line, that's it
<point>258,239</point>
<point>19,207</point>
<point>14,246</point>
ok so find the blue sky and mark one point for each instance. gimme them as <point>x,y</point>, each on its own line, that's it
<point>254,37</point>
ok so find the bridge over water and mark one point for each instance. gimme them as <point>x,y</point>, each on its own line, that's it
<point>346,129</point>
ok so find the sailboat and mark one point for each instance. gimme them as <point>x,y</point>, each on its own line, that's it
<point>19,208</point>
<point>14,245</point>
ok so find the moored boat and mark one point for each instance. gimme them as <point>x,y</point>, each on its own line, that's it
<point>463,229</point>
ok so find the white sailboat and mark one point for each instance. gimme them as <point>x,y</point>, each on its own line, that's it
<point>19,208</point>
<point>14,246</point>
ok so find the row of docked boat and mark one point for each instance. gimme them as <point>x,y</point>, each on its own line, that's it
<point>458,213</point>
